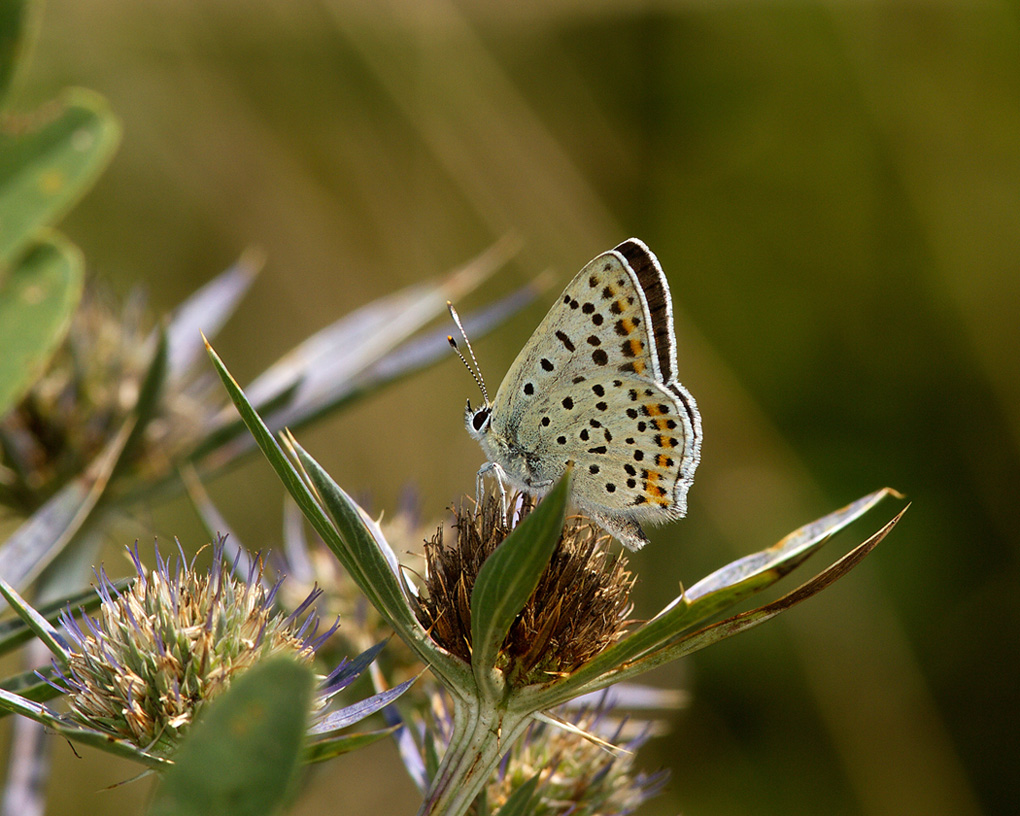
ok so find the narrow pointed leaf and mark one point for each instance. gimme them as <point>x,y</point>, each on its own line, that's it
<point>351,538</point>
<point>17,704</point>
<point>519,803</point>
<point>372,564</point>
<point>687,643</point>
<point>205,312</point>
<point>355,341</point>
<point>40,627</point>
<point>242,757</point>
<point>42,537</point>
<point>37,299</point>
<point>746,575</point>
<point>511,573</point>
<point>347,672</point>
<point>332,745</point>
<point>48,160</point>
<point>295,405</point>
<point>356,712</point>
<point>15,632</point>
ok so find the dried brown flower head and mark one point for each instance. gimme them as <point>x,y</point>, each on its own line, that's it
<point>580,606</point>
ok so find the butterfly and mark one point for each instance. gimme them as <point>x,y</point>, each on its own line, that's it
<point>595,389</point>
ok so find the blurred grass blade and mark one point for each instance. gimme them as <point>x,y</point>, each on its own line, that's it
<point>205,312</point>
<point>242,757</point>
<point>350,539</point>
<point>17,24</point>
<point>433,346</point>
<point>294,403</point>
<point>326,747</point>
<point>355,341</point>
<point>37,299</point>
<point>48,160</point>
<point>41,538</point>
<point>510,574</point>
<point>15,632</point>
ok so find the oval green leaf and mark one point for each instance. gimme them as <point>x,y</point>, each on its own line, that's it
<point>242,757</point>
<point>48,160</point>
<point>37,300</point>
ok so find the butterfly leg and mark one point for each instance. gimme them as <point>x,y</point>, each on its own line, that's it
<point>500,475</point>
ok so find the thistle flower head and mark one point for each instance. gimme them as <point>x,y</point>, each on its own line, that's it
<point>586,768</point>
<point>576,775</point>
<point>159,652</point>
<point>83,398</point>
<point>579,607</point>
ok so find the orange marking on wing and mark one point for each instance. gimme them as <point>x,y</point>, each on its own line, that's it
<point>663,461</point>
<point>655,410</point>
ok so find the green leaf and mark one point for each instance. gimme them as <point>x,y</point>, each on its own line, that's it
<point>242,757</point>
<point>360,547</point>
<point>40,627</point>
<point>319,750</point>
<point>48,160</point>
<point>509,576</point>
<point>15,632</point>
<point>37,299</point>
<point>721,589</point>
<point>691,642</point>
<point>85,736</point>
<point>17,19</point>
<point>519,803</point>
<point>353,541</point>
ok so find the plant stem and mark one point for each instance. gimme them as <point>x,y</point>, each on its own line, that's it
<point>469,762</point>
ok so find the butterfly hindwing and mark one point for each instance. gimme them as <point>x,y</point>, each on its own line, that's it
<point>595,386</point>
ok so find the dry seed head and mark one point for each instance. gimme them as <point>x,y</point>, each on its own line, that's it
<point>579,608</point>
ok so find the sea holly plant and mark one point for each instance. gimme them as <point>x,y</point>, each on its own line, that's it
<point>524,612</point>
<point>166,644</point>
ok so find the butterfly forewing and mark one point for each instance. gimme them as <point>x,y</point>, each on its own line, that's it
<point>594,387</point>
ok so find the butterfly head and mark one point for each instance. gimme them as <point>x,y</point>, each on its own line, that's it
<point>477,419</point>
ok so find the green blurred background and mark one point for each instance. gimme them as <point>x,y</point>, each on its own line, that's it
<point>834,192</point>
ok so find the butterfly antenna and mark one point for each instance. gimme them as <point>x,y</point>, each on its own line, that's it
<point>476,371</point>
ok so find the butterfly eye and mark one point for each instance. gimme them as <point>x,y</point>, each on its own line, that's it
<point>480,419</point>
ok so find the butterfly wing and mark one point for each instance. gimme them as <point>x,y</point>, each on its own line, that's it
<point>596,386</point>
